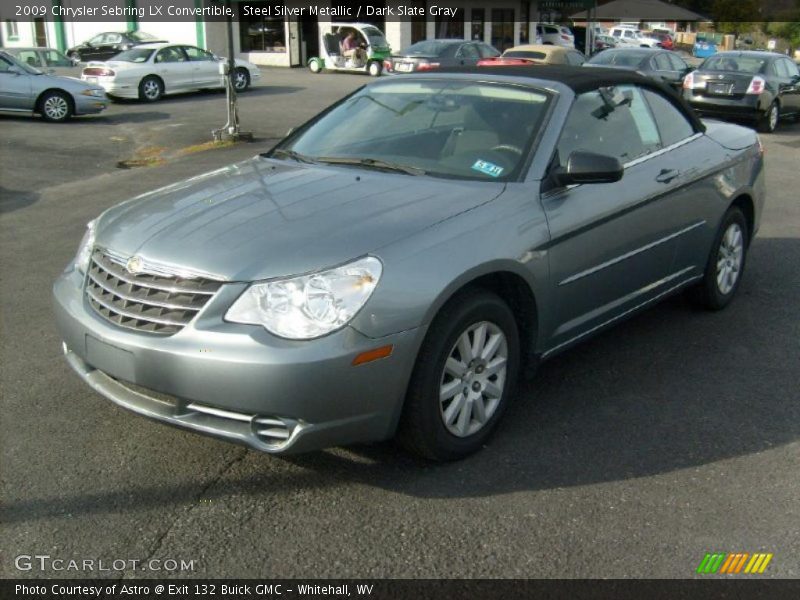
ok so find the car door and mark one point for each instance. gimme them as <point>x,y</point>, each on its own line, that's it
<point>468,55</point>
<point>663,68</point>
<point>205,68</point>
<point>93,48</point>
<point>789,85</point>
<point>15,87</point>
<point>612,244</point>
<point>174,68</point>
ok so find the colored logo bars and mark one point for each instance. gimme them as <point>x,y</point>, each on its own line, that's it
<point>734,563</point>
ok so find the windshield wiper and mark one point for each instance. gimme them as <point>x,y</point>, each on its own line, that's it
<point>293,155</point>
<point>373,163</point>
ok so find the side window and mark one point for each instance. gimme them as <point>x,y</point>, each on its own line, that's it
<point>487,51</point>
<point>98,39</point>
<point>794,71</point>
<point>629,34</point>
<point>662,63</point>
<point>672,124</point>
<point>616,33</point>
<point>468,51</point>
<point>30,58</point>
<point>615,121</point>
<point>113,38</point>
<point>781,69</point>
<point>678,64</point>
<point>171,54</point>
<point>4,65</point>
<point>56,59</point>
<point>196,54</point>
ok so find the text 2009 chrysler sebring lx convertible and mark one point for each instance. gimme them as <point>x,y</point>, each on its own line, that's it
<point>395,264</point>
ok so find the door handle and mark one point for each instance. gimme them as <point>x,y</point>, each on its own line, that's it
<point>666,175</point>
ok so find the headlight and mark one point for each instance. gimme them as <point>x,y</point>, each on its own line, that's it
<point>95,93</point>
<point>310,306</point>
<point>85,249</point>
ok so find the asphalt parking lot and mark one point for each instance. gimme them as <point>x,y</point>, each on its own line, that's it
<point>672,435</point>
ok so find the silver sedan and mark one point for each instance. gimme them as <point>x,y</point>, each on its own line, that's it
<point>26,89</point>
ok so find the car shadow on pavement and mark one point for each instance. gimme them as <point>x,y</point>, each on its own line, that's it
<point>11,200</point>
<point>676,387</point>
<point>203,95</point>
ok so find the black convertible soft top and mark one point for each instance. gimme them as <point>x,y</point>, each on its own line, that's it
<point>580,80</point>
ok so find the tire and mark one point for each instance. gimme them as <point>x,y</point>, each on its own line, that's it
<point>726,262</point>
<point>151,89</point>
<point>769,121</point>
<point>432,425</point>
<point>74,56</point>
<point>55,106</point>
<point>241,80</point>
<point>374,68</point>
<point>314,66</point>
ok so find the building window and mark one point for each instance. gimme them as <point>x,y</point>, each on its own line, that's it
<point>12,30</point>
<point>261,34</point>
<point>449,28</point>
<point>419,24</point>
<point>502,28</point>
<point>524,23</point>
<point>478,20</point>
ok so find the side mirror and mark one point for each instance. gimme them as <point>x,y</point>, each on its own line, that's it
<point>588,167</point>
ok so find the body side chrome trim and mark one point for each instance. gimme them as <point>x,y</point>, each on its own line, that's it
<point>630,254</point>
<point>632,309</point>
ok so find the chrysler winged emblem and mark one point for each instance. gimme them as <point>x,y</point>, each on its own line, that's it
<point>134,265</point>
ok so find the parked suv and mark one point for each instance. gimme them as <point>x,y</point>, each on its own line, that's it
<point>628,35</point>
<point>556,35</point>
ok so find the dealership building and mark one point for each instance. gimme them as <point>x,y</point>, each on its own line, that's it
<point>277,39</point>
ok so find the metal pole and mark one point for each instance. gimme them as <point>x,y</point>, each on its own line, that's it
<point>231,128</point>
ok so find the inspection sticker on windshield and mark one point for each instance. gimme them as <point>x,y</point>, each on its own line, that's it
<point>487,168</point>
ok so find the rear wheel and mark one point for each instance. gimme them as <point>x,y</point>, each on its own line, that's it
<point>241,79</point>
<point>769,121</point>
<point>151,89</point>
<point>465,374</point>
<point>55,106</point>
<point>314,66</point>
<point>74,57</point>
<point>374,68</point>
<point>725,265</point>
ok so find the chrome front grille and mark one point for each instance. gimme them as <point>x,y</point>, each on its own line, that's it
<point>145,301</point>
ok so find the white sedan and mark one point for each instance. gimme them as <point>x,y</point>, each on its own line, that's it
<point>149,71</point>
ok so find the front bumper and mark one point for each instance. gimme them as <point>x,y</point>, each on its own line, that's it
<point>89,105</point>
<point>237,382</point>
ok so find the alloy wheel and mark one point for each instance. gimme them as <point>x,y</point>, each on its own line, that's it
<point>56,108</point>
<point>473,379</point>
<point>729,258</point>
<point>239,80</point>
<point>773,117</point>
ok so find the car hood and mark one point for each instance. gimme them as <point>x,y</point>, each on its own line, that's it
<point>265,218</point>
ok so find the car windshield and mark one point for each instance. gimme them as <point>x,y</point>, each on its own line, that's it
<point>743,64</point>
<point>452,129</point>
<point>622,59</point>
<point>141,36</point>
<point>134,55</point>
<point>375,36</point>
<point>25,67</point>
<point>524,54</point>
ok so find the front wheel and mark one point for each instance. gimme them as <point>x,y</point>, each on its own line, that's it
<point>465,374</point>
<point>314,66</point>
<point>374,68</point>
<point>55,106</point>
<point>241,79</point>
<point>725,265</point>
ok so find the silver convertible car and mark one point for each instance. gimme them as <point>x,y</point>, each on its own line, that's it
<point>396,264</point>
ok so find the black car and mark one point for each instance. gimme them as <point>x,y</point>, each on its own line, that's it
<point>105,45</point>
<point>760,87</point>
<point>658,64</point>
<point>434,54</point>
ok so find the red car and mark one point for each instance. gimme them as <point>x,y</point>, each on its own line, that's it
<point>665,40</point>
<point>501,61</point>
